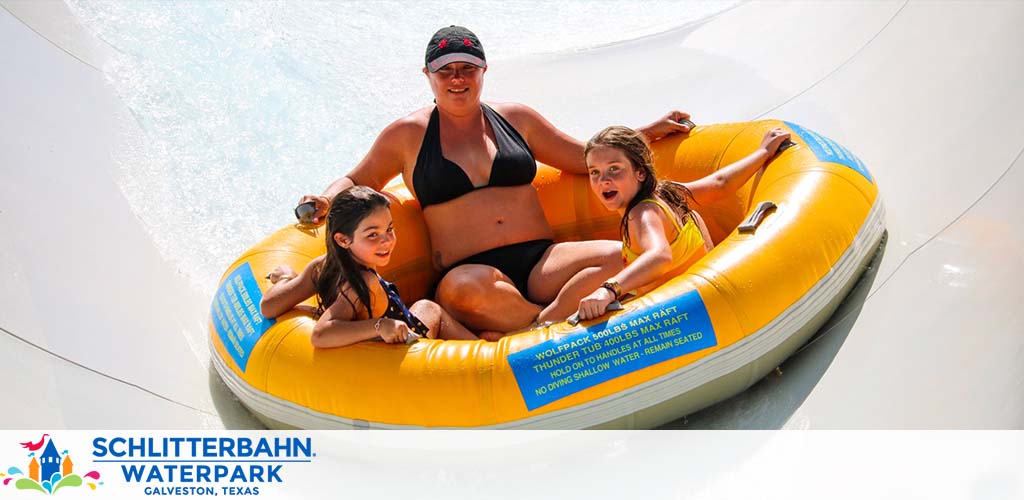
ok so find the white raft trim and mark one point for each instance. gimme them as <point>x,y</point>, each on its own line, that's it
<point>798,322</point>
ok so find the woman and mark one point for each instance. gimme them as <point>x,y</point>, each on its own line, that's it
<point>470,165</point>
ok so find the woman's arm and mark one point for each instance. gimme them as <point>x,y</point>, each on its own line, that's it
<point>666,125</point>
<point>564,152</point>
<point>727,180</point>
<point>549,144</point>
<point>288,289</point>
<point>383,162</point>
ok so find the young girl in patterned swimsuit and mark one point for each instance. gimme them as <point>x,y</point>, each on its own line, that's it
<point>354,303</point>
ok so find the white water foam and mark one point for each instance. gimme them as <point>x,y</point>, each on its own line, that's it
<point>245,106</point>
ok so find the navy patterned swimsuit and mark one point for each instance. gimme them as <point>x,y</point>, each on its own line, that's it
<point>397,310</point>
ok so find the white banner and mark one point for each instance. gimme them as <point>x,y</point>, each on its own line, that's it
<point>782,465</point>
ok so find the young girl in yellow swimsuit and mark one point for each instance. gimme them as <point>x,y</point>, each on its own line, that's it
<point>661,234</point>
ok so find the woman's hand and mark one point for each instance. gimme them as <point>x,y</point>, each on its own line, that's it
<point>393,331</point>
<point>594,305</point>
<point>322,203</point>
<point>773,139</point>
<point>666,125</point>
<point>281,273</point>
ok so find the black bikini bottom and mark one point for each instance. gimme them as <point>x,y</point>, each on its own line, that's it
<point>516,261</point>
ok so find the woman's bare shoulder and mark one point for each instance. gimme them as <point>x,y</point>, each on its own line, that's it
<point>524,118</point>
<point>513,110</point>
<point>407,128</point>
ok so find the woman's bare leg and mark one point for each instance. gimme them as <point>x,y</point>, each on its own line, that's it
<point>483,299</point>
<point>570,271</point>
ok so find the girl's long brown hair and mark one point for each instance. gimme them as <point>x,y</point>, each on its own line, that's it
<point>634,146</point>
<point>348,209</point>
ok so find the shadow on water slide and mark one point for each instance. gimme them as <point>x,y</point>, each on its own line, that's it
<point>771,402</point>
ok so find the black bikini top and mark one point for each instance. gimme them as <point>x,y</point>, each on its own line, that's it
<point>437,179</point>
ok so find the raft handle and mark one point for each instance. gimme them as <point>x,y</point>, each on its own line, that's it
<point>612,306</point>
<point>688,123</point>
<point>786,144</point>
<point>305,212</point>
<point>754,220</point>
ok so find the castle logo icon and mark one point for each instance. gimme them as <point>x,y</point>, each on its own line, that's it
<point>48,470</point>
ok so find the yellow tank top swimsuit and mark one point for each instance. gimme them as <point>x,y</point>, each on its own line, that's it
<point>687,247</point>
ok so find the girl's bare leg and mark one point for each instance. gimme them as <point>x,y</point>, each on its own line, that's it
<point>441,324</point>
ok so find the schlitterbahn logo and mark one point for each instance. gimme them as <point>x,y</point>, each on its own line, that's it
<point>202,465</point>
<point>49,471</point>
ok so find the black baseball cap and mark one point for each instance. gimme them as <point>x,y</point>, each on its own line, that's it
<point>454,44</point>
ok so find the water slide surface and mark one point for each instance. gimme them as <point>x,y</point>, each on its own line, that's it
<point>97,330</point>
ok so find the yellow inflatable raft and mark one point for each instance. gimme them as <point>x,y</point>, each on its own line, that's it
<point>703,336</point>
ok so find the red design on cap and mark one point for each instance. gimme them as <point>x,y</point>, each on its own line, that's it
<point>443,44</point>
<point>466,42</point>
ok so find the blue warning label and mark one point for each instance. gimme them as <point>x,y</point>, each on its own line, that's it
<point>828,150</point>
<point>236,314</point>
<point>626,343</point>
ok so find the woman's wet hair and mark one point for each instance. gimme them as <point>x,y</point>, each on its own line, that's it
<point>348,209</point>
<point>634,146</point>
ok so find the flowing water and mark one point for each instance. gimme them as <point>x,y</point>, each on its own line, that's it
<point>242,107</point>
